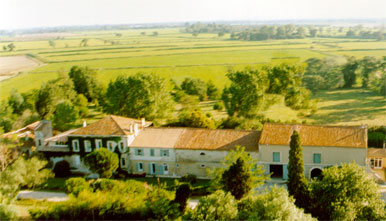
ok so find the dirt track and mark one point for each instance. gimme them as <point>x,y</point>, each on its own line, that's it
<point>11,65</point>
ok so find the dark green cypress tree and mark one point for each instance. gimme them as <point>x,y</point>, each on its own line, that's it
<point>297,182</point>
<point>237,179</point>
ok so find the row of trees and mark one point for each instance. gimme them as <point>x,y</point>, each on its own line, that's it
<point>328,74</point>
<point>288,31</point>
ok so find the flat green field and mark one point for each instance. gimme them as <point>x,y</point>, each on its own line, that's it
<point>175,55</point>
<point>170,54</point>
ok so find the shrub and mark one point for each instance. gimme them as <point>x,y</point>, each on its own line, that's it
<point>131,200</point>
<point>273,205</point>
<point>237,179</point>
<point>346,192</point>
<point>76,185</point>
<point>189,178</point>
<point>217,206</point>
<point>7,213</point>
<point>103,162</point>
<point>183,193</point>
<point>218,106</point>
<point>376,139</point>
<point>62,169</point>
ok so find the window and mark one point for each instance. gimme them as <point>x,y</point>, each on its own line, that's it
<point>98,143</point>
<point>202,154</point>
<point>111,145</point>
<point>40,142</point>
<point>152,152</point>
<point>138,152</point>
<point>276,156</point>
<point>140,167</point>
<point>87,146</point>
<point>121,147</point>
<point>123,161</point>
<point>166,168</point>
<point>202,165</point>
<point>178,165</point>
<point>75,146</point>
<point>376,163</point>
<point>165,153</point>
<point>317,158</point>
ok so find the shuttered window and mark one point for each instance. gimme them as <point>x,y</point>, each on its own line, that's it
<point>276,156</point>
<point>317,158</point>
<point>152,152</point>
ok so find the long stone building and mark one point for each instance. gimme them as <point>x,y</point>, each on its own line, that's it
<point>174,152</point>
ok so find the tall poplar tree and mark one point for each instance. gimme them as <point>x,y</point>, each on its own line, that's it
<point>297,182</point>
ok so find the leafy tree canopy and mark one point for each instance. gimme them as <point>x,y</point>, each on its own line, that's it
<point>103,162</point>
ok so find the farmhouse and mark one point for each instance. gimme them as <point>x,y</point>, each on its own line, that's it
<point>174,152</point>
<point>322,146</point>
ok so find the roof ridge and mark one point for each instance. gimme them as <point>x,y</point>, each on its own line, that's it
<point>311,125</point>
<point>196,128</point>
<point>116,123</point>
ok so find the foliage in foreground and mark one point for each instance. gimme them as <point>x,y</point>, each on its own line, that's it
<point>217,206</point>
<point>346,192</point>
<point>28,173</point>
<point>275,204</point>
<point>103,162</point>
<point>112,199</point>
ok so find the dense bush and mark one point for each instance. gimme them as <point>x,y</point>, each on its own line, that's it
<point>273,205</point>
<point>218,106</point>
<point>62,169</point>
<point>27,173</point>
<point>103,162</point>
<point>189,178</point>
<point>346,192</point>
<point>183,193</point>
<point>195,86</point>
<point>376,136</point>
<point>76,185</point>
<point>131,200</point>
<point>217,206</point>
<point>376,139</point>
<point>7,213</point>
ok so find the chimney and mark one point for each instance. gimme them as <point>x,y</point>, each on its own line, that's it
<point>136,129</point>
<point>143,122</point>
<point>84,123</point>
<point>131,128</point>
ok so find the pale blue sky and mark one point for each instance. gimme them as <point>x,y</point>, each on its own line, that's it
<point>15,14</point>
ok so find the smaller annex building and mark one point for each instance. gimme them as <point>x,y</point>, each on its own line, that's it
<point>323,146</point>
<point>376,159</point>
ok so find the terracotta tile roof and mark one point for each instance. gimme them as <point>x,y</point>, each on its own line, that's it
<point>110,125</point>
<point>218,139</point>
<point>197,139</point>
<point>157,137</point>
<point>23,132</point>
<point>333,136</point>
<point>376,152</point>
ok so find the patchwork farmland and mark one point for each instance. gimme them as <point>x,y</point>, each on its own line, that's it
<point>175,55</point>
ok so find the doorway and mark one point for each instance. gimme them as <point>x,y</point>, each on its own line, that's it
<point>276,171</point>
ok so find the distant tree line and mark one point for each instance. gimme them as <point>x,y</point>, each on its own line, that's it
<point>288,31</point>
<point>326,73</point>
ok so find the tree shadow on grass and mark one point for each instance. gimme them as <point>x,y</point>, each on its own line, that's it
<point>361,105</point>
